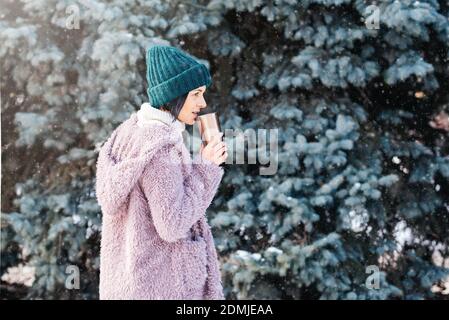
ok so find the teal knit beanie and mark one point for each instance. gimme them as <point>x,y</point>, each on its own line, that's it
<point>171,72</point>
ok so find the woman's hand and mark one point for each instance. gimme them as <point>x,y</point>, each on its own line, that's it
<point>215,151</point>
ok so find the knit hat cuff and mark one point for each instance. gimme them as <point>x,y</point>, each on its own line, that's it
<point>184,82</point>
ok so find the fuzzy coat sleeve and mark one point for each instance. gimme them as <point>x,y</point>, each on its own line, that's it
<point>178,198</point>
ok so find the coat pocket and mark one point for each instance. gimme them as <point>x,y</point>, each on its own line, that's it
<point>193,267</point>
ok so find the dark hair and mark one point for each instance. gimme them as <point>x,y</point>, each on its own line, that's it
<point>174,106</point>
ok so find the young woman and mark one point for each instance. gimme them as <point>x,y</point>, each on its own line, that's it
<point>156,242</point>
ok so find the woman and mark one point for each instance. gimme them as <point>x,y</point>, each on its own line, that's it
<point>156,242</point>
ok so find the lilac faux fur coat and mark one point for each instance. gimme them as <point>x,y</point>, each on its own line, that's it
<point>156,242</point>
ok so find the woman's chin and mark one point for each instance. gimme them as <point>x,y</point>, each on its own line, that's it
<point>188,122</point>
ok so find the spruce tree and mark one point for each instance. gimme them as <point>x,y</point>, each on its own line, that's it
<point>358,91</point>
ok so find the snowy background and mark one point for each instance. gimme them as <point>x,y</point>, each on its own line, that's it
<point>359,205</point>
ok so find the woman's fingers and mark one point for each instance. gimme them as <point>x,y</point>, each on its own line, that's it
<point>216,139</point>
<point>216,148</point>
<point>223,157</point>
<point>219,146</point>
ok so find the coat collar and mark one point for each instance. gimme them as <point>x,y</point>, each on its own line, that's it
<point>148,114</point>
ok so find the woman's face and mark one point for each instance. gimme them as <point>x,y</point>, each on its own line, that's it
<point>193,104</point>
